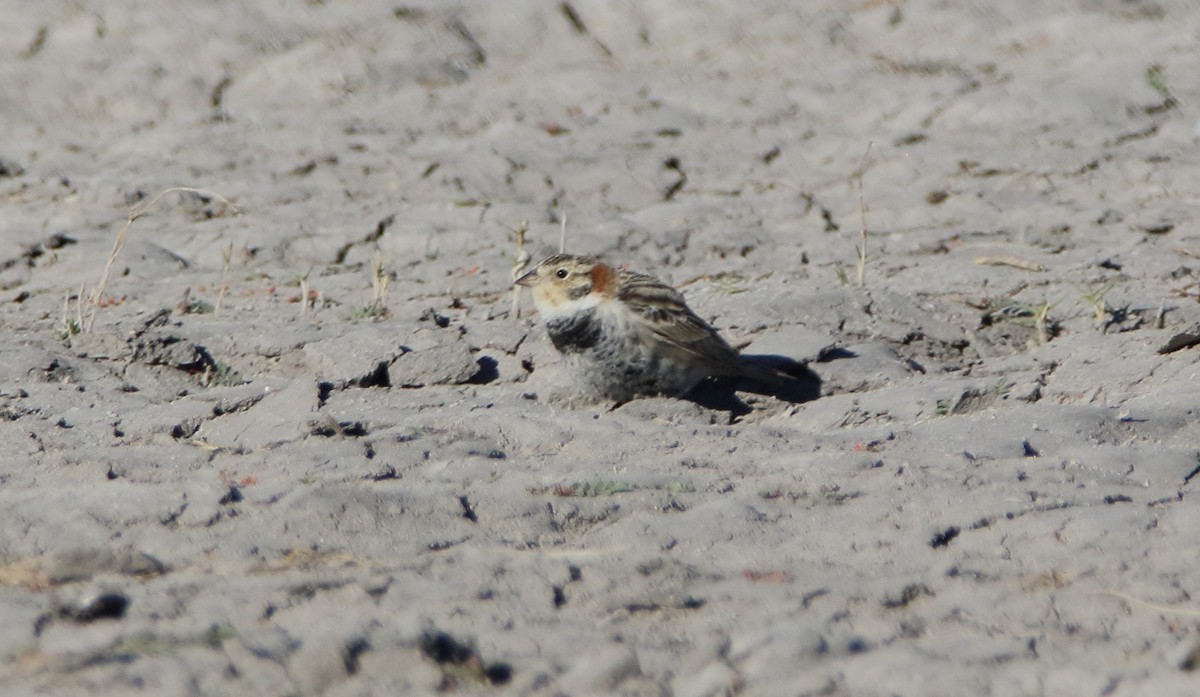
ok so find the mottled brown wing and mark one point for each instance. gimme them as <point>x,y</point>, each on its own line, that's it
<point>668,316</point>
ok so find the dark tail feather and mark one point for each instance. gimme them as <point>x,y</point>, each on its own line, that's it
<point>772,371</point>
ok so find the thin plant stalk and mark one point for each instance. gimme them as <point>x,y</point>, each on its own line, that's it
<point>861,260</point>
<point>519,266</point>
<point>136,212</point>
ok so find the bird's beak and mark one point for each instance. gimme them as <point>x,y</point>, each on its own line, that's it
<point>528,279</point>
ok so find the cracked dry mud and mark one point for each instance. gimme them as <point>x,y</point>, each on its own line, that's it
<point>249,468</point>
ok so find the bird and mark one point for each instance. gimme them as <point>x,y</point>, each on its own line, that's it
<point>626,334</point>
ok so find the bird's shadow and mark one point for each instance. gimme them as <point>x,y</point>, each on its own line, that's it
<point>797,384</point>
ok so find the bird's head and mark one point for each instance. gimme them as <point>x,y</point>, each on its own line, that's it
<point>566,283</point>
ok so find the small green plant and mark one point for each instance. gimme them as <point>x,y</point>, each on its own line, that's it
<point>67,328</point>
<point>832,494</point>
<point>1041,318</point>
<point>192,306</point>
<point>197,306</point>
<point>1094,298</point>
<point>67,325</point>
<point>369,312</point>
<point>826,495</point>
<point>601,487</point>
<point>220,375</point>
<point>377,308</point>
<point>1037,317</point>
<point>148,644</point>
<point>1157,80</point>
<point>594,488</point>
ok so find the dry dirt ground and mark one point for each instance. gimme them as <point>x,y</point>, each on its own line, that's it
<point>294,441</point>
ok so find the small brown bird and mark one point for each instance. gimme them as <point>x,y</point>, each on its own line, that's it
<point>626,334</point>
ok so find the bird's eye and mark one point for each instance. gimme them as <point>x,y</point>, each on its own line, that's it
<point>561,273</point>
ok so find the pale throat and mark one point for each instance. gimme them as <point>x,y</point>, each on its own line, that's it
<point>557,307</point>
